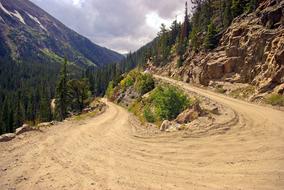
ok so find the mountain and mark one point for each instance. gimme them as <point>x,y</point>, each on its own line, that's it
<point>28,33</point>
<point>33,45</point>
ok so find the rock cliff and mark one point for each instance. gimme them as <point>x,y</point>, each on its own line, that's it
<point>251,51</point>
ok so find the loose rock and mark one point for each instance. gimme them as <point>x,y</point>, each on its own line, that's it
<point>7,137</point>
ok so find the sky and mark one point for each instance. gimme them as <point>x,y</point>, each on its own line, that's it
<point>120,25</point>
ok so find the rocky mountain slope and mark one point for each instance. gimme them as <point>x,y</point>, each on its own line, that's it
<point>29,33</point>
<point>250,52</point>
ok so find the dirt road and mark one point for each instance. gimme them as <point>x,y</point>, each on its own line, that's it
<point>104,153</point>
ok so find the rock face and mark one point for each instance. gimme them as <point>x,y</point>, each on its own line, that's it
<point>127,97</point>
<point>251,47</point>
<point>250,51</point>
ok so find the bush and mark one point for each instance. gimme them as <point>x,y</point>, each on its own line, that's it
<point>168,102</point>
<point>110,90</point>
<point>149,115</point>
<point>144,83</point>
<point>127,82</point>
<point>275,100</point>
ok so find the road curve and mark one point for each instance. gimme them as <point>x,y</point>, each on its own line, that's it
<point>104,153</point>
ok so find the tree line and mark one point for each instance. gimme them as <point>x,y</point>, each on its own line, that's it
<point>27,89</point>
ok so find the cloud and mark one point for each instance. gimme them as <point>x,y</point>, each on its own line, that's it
<point>116,24</point>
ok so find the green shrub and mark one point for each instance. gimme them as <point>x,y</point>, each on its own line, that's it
<point>275,100</point>
<point>168,102</point>
<point>149,115</point>
<point>144,83</point>
<point>137,109</point>
<point>110,90</point>
<point>220,90</point>
<point>130,79</point>
<point>126,82</point>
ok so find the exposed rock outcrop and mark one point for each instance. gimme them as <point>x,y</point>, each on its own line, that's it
<point>250,51</point>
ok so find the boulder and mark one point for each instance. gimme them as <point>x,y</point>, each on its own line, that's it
<point>187,116</point>
<point>23,129</point>
<point>174,127</point>
<point>165,125</point>
<point>170,126</point>
<point>212,108</point>
<point>7,137</point>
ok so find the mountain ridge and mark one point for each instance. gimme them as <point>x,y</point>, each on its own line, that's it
<point>28,31</point>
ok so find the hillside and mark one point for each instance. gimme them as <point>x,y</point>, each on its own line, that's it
<point>234,47</point>
<point>29,33</point>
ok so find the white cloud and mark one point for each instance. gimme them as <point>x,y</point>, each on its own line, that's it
<point>78,3</point>
<point>116,24</point>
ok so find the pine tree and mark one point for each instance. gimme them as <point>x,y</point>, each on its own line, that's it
<point>164,46</point>
<point>31,107</point>
<point>183,39</point>
<point>251,5</point>
<point>174,31</point>
<point>227,18</point>
<point>1,122</point>
<point>186,25</point>
<point>194,40</point>
<point>236,8</point>
<point>210,40</point>
<point>6,116</point>
<point>79,92</point>
<point>62,93</point>
<point>19,111</point>
<point>44,107</point>
<point>11,121</point>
